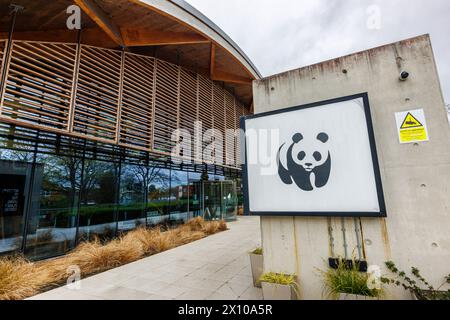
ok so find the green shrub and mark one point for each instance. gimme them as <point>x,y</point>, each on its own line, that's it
<point>279,278</point>
<point>420,287</point>
<point>348,280</point>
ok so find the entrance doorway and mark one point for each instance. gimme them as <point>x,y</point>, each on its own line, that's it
<point>217,200</point>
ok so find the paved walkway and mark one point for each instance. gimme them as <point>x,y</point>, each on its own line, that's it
<point>214,268</point>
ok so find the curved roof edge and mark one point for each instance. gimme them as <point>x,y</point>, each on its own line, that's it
<point>195,13</point>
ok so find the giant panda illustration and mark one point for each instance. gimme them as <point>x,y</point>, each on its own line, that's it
<point>307,163</point>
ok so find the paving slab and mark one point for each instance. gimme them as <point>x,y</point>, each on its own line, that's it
<point>214,268</point>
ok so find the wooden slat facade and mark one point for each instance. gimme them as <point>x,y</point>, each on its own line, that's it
<point>97,95</point>
<point>230,137</point>
<point>112,96</point>
<point>136,121</point>
<point>39,83</point>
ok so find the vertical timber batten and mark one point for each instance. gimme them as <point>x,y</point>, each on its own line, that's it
<point>74,84</point>
<point>119,100</point>
<point>152,134</point>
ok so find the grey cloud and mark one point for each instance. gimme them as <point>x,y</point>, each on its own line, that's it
<point>287,34</point>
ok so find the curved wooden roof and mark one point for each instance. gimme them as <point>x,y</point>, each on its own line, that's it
<point>171,30</point>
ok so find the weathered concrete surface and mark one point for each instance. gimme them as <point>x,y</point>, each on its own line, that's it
<point>214,268</point>
<point>416,178</point>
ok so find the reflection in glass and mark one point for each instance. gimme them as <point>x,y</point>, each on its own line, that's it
<point>158,197</point>
<point>179,195</point>
<point>98,200</point>
<point>15,176</point>
<point>132,197</point>
<point>52,226</point>
<point>195,194</point>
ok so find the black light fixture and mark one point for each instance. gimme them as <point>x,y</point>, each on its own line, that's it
<point>404,75</point>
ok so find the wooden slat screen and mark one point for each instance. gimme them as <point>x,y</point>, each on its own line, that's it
<point>230,138</point>
<point>39,83</point>
<point>218,106</point>
<point>98,92</point>
<point>239,112</point>
<point>120,98</point>
<point>188,103</point>
<point>166,106</point>
<point>137,101</point>
<point>205,115</point>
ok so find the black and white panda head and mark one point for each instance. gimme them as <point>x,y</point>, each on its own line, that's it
<point>305,161</point>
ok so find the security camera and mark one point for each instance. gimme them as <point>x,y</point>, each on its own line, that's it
<point>404,75</point>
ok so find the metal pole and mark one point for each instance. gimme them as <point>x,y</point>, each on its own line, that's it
<point>344,238</point>
<point>30,197</point>
<point>80,195</point>
<point>116,214</point>
<point>358,238</point>
<point>14,10</point>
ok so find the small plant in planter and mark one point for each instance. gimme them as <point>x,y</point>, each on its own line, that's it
<point>257,264</point>
<point>416,287</point>
<point>279,286</point>
<point>348,283</point>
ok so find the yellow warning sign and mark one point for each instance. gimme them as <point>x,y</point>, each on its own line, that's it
<point>411,122</point>
<point>412,126</point>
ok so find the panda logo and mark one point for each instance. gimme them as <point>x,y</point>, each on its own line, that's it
<point>307,163</point>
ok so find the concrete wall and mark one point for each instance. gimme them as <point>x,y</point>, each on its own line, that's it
<point>416,177</point>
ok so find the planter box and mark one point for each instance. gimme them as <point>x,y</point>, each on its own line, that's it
<point>257,264</point>
<point>273,291</point>
<point>345,296</point>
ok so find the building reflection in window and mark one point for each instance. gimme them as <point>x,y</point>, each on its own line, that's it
<point>98,200</point>
<point>158,197</point>
<point>52,225</point>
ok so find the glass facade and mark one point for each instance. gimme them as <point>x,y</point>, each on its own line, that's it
<point>54,194</point>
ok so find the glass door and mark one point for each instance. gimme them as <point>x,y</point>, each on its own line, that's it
<point>229,200</point>
<point>214,200</point>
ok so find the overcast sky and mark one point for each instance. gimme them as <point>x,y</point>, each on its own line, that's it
<point>287,34</point>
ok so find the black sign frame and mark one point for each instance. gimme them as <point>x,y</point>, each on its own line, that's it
<point>376,165</point>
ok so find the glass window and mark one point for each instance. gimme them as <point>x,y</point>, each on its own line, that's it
<point>195,194</point>
<point>16,170</point>
<point>179,195</point>
<point>98,200</point>
<point>133,184</point>
<point>158,197</point>
<point>52,223</point>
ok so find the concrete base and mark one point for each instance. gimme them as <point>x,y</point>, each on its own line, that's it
<point>273,291</point>
<point>345,296</point>
<point>257,265</point>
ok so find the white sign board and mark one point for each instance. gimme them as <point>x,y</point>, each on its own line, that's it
<point>412,126</point>
<point>313,160</point>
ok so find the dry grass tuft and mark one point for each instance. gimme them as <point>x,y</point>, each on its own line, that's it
<point>20,278</point>
<point>223,225</point>
<point>196,224</point>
